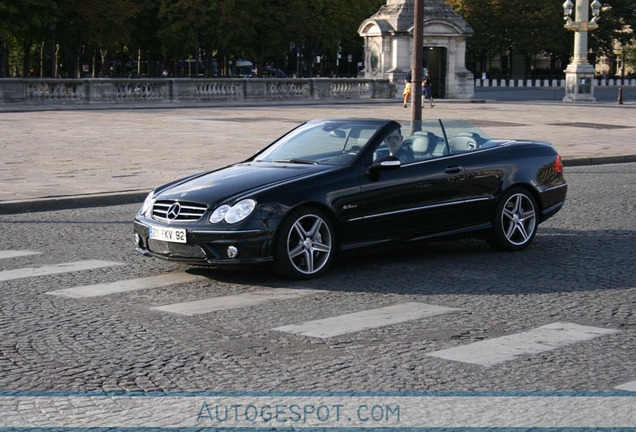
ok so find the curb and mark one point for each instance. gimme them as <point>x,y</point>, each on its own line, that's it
<point>25,107</point>
<point>585,161</point>
<point>137,197</point>
<point>604,160</point>
<point>72,202</point>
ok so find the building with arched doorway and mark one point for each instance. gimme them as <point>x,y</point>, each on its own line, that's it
<point>388,37</point>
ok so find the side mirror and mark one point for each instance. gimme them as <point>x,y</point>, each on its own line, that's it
<point>383,164</point>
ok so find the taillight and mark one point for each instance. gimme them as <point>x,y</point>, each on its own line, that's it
<point>558,164</point>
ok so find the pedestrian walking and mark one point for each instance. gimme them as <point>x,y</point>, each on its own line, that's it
<point>427,89</point>
<point>407,88</point>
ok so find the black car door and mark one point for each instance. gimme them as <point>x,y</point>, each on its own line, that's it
<point>419,198</point>
<point>485,171</point>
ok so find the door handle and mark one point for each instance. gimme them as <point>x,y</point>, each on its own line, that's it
<point>454,169</point>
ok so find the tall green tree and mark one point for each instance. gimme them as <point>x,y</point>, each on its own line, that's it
<point>616,28</point>
<point>536,27</point>
<point>490,37</point>
<point>513,27</point>
<point>188,28</point>
<point>323,26</point>
<point>270,34</point>
<point>90,28</point>
<point>145,33</point>
<point>25,21</point>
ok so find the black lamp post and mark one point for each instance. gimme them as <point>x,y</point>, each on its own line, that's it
<point>416,81</point>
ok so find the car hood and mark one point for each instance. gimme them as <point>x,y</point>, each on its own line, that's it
<point>238,180</point>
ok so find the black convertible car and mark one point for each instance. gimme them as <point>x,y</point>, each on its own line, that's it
<point>338,184</point>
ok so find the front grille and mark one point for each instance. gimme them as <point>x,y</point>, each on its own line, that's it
<point>176,250</point>
<point>177,211</point>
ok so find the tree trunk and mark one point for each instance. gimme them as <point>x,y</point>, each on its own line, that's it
<point>94,63</point>
<point>197,52</point>
<point>77,61</point>
<point>3,57</point>
<point>103,53</point>
<point>57,56</point>
<point>42,60</point>
<point>27,64</point>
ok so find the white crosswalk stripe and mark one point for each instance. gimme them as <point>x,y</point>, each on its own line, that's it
<point>545,338</point>
<point>630,386</point>
<point>486,353</point>
<point>28,272</point>
<point>369,319</point>
<point>5,254</point>
<point>128,285</point>
<point>236,301</point>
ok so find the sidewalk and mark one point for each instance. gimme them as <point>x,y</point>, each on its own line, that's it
<point>87,157</point>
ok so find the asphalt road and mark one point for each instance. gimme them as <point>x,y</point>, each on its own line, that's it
<point>578,273</point>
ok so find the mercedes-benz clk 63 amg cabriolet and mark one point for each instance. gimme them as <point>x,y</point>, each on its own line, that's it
<point>338,184</point>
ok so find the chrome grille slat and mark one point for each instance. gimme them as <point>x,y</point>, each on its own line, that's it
<point>188,211</point>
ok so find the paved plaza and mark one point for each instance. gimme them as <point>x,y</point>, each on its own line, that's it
<point>72,156</point>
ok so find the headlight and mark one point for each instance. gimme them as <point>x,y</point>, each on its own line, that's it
<point>234,214</point>
<point>219,214</point>
<point>148,203</point>
<point>240,211</point>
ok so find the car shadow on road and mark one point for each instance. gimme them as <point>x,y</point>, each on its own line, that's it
<point>557,261</point>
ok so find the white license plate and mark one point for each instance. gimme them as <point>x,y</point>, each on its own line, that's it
<point>174,235</point>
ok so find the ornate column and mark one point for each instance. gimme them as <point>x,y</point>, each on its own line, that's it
<point>579,75</point>
<point>389,45</point>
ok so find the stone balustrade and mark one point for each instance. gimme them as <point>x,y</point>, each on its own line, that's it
<point>122,91</point>
<point>552,83</point>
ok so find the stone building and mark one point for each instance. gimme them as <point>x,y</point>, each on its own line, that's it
<point>388,37</point>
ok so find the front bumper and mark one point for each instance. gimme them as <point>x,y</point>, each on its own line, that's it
<point>208,247</point>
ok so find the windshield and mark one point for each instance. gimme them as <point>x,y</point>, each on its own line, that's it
<point>325,142</point>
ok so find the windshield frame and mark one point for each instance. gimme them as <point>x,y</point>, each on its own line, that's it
<point>345,149</point>
<point>445,132</point>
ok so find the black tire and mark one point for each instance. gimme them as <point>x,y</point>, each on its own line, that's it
<point>516,221</point>
<point>305,244</point>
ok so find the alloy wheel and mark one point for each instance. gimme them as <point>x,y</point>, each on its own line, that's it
<point>309,244</point>
<point>519,219</point>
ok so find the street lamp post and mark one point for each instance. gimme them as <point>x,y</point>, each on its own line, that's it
<point>416,80</point>
<point>579,75</point>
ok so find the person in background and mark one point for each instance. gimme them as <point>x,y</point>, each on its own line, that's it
<point>407,88</point>
<point>427,89</point>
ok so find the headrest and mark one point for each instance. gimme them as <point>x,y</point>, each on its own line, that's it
<point>421,143</point>
<point>461,143</point>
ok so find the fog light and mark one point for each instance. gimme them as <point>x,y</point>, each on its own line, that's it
<point>137,239</point>
<point>232,251</point>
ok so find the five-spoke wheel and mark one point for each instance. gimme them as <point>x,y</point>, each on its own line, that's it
<point>516,220</point>
<point>305,244</point>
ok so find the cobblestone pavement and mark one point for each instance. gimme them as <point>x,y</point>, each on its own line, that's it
<point>579,271</point>
<point>117,153</point>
